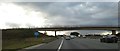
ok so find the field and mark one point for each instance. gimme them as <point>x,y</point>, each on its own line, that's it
<point>18,39</point>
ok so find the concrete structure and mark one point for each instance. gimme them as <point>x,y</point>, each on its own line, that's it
<point>113,29</point>
<point>55,33</point>
<point>113,32</point>
<point>65,28</point>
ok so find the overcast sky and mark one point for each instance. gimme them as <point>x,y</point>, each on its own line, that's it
<point>40,14</point>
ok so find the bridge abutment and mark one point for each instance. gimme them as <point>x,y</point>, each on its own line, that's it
<point>55,33</point>
<point>113,32</point>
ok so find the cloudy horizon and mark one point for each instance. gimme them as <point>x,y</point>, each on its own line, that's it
<point>41,14</point>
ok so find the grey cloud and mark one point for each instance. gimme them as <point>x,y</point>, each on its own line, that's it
<point>59,0</point>
<point>72,13</point>
<point>75,13</point>
<point>30,25</point>
<point>12,25</point>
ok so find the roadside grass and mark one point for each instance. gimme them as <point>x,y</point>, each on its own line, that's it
<point>23,43</point>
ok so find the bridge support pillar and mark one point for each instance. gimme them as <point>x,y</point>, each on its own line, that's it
<point>113,32</point>
<point>55,33</point>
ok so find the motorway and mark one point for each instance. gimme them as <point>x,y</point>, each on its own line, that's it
<point>78,43</point>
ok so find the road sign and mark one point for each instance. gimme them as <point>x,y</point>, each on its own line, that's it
<point>36,34</point>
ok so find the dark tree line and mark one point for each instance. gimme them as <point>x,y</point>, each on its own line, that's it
<point>74,33</point>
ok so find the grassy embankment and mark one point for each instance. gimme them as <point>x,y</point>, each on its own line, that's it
<point>18,39</point>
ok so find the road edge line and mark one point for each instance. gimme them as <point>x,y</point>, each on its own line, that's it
<point>31,47</point>
<point>60,45</point>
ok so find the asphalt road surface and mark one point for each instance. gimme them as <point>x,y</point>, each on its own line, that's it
<point>77,44</point>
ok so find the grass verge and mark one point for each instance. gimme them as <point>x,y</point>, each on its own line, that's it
<point>23,43</point>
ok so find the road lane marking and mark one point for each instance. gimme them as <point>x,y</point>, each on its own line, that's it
<point>60,45</point>
<point>32,47</point>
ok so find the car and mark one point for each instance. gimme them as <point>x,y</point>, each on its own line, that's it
<point>72,36</point>
<point>67,38</point>
<point>109,39</point>
<point>84,36</point>
<point>118,38</point>
<point>79,36</point>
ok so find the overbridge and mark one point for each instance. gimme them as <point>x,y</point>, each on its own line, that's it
<point>65,28</point>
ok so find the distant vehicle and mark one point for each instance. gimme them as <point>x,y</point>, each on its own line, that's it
<point>72,36</point>
<point>109,38</point>
<point>79,36</point>
<point>84,36</point>
<point>118,38</point>
<point>67,37</point>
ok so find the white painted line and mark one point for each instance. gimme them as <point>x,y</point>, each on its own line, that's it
<point>32,47</point>
<point>60,45</point>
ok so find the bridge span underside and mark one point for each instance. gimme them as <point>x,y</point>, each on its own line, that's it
<point>113,29</point>
<point>76,28</point>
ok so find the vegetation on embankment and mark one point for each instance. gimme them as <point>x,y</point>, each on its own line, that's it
<point>21,38</point>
